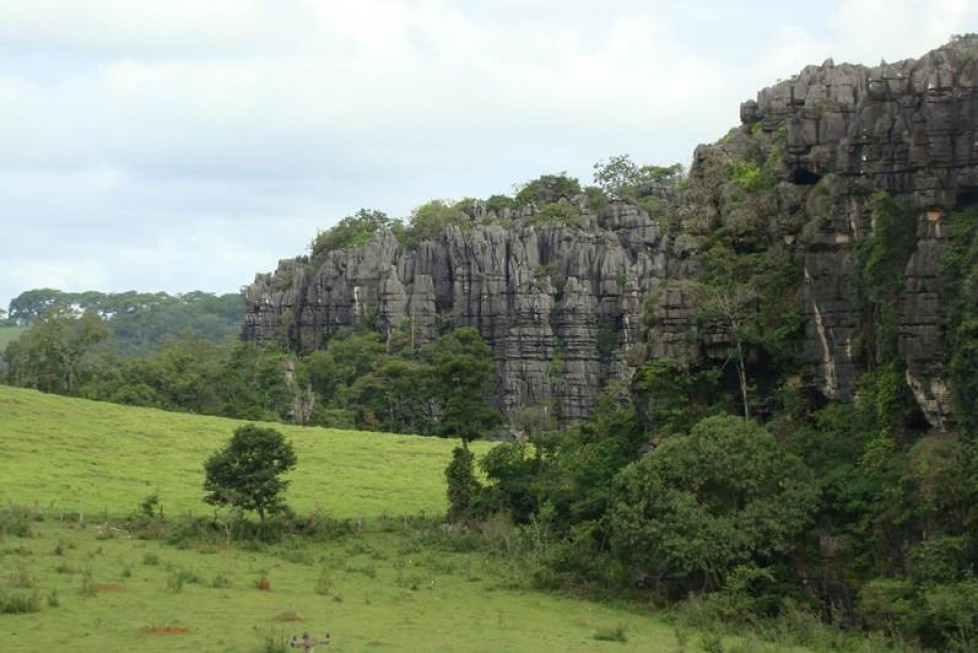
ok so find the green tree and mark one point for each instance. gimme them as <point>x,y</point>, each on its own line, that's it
<point>463,486</point>
<point>619,176</point>
<point>246,473</point>
<point>352,231</point>
<point>465,382</point>
<point>548,189</point>
<point>428,221</point>
<point>51,355</point>
<point>699,505</point>
<point>395,397</point>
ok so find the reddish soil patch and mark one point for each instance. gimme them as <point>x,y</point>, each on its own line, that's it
<point>110,587</point>
<point>264,585</point>
<point>289,616</point>
<point>165,630</point>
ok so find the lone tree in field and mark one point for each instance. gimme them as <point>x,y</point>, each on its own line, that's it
<point>245,473</point>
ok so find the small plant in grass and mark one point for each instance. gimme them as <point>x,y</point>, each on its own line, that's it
<point>53,600</point>
<point>617,634</point>
<point>323,583</point>
<point>712,642</point>
<point>19,602</point>
<point>64,568</point>
<point>273,641</point>
<point>151,559</point>
<point>221,580</point>
<point>127,571</point>
<point>16,521</point>
<point>88,585</point>
<point>21,578</point>
<point>174,582</point>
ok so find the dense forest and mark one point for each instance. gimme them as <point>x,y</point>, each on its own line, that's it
<point>782,444</point>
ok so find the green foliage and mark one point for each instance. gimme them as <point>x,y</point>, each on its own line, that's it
<point>619,176</point>
<point>54,354</point>
<point>959,268</point>
<point>352,231</point>
<point>752,177</point>
<point>882,259</point>
<point>464,384</point>
<point>548,189</point>
<point>394,396</point>
<point>700,505</point>
<point>245,473</point>
<point>428,221</point>
<point>499,203</point>
<point>462,483</point>
<point>673,398</point>
<point>139,323</point>
<point>559,213</point>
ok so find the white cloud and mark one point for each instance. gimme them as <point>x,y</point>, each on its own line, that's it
<point>147,133</point>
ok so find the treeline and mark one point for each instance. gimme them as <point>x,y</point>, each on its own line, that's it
<point>359,381</point>
<point>137,322</point>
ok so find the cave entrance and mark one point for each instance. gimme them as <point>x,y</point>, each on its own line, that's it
<point>967,197</point>
<point>804,177</point>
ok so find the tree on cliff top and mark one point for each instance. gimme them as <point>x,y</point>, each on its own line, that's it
<point>352,231</point>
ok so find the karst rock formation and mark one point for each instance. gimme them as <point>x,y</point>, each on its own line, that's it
<point>570,310</point>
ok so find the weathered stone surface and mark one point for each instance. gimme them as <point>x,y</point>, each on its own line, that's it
<point>560,306</point>
<point>910,129</point>
<point>549,300</point>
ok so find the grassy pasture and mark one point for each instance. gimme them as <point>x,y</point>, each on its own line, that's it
<point>97,587</point>
<point>385,591</point>
<point>97,458</point>
<point>401,585</point>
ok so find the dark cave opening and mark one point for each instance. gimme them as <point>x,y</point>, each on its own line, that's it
<point>967,197</point>
<point>804,177</point>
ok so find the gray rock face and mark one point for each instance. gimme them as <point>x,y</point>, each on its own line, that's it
<point>910,129</point>
<point>840,133</point>
<point>560,307</point>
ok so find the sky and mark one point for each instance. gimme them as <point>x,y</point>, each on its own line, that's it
<point>183,145</point>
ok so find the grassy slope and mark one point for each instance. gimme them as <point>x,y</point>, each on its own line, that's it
<point>57,452</point>
<point>386,591</point>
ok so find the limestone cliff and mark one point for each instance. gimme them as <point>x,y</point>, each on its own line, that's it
<point>562,307</point>
<point>839,133</point>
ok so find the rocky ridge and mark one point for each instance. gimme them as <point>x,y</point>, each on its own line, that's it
<point>562,307</point>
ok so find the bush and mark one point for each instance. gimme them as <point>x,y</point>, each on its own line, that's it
<point>887,605</point>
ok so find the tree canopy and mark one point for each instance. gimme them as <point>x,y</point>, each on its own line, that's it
<point>246,473</point>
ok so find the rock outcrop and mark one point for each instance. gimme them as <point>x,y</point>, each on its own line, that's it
<point>562,307</point>
<point>839,134</point>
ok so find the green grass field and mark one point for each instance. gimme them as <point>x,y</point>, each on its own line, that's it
<point>382,592</point>
<point>81,456</point>
<point>74,576</point>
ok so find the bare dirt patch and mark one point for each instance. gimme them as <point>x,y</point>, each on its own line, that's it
<point>110,587</point>
<point>289,616</point>
<point>165,630</point>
